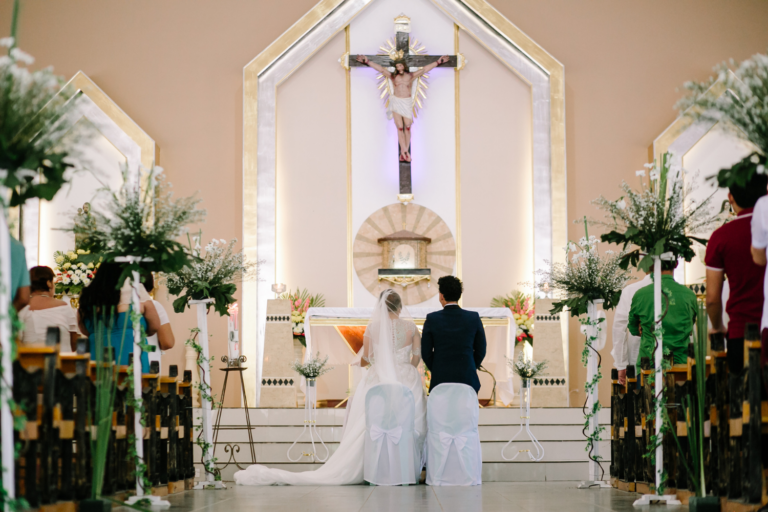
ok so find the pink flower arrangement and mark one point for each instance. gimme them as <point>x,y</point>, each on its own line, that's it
<point>523,311</point>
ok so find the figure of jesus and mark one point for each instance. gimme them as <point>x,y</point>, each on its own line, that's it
<point>401,100</point>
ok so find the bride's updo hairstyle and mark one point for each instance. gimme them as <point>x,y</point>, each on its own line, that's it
<point>394,303</point>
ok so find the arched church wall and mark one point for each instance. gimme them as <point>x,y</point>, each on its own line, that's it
<point>312,176</point>
<point>176,68</point>
<point>496,177</point>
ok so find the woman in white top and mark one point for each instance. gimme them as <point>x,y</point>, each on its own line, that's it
<point>163,339</point>
<point>45,311</point>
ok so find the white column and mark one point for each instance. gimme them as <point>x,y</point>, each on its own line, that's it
<point>592,332</point>
<point>6,343</point>
<point>205,380</point>
<point>659,354</point>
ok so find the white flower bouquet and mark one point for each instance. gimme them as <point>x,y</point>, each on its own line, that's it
<point>213,273</point>
<point>313,368</point>
<point>74,271</point>
<point>656,219</point>
<point>585,277</point>
<point>527,369</point>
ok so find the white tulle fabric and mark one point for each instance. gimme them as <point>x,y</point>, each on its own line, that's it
<point>453,441</point>
<point>391,350</point>
<point>392,447</point>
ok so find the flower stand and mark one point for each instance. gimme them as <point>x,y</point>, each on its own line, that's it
<point>525,424</point>
<point>310,425</point>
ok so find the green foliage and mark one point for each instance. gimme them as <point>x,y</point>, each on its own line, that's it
<point>141,221</point>
<point>592,332</point>
<point>33,149</point>
<point>740,174</point>
<point>656,219</point>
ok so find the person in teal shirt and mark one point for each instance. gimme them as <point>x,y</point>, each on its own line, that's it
<point>100,303</point>
<point>677,325</point>
<point>19,276</point>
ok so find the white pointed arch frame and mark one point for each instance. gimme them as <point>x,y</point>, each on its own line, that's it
<point>264,73</point>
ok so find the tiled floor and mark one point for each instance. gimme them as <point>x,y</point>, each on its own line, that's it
<point>495,496</point>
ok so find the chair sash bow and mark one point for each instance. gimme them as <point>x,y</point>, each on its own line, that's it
<point>460,440</point>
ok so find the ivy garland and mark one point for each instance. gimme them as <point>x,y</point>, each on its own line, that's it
<point>590,386</point>
<point>205,394</point>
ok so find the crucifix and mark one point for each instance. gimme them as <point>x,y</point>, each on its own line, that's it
<point>401,68</point>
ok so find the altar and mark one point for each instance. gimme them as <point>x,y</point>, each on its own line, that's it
<point>338,333</point>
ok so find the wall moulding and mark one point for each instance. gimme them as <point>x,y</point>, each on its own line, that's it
<point>265,72</point>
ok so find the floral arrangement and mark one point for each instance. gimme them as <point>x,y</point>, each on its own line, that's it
<point>527,369</point>
<point>313,368</point>
<point>32,150</point>
<point>213,273</point>
<point>585,277</point>
<point>74,271</point>
<point>141,221</point>
<point>301,301</point>
<point>744,104</point>
<point>656,219</point>
<point>523,310</point>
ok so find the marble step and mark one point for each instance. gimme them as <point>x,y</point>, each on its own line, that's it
<point>331,417</point>
<point>273,453</point>
<point>288,434</point>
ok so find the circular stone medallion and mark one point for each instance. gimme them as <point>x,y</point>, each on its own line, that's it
<point>368,255</point>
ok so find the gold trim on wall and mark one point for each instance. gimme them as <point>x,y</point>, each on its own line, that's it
<point>457,120</point>
<point>663,142</point>
<point>350,269</point>
<point>149,151</point>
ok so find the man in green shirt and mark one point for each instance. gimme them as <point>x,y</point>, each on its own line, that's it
<point>677,325</point>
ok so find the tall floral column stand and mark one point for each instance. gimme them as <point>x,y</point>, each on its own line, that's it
<point>525,424</point>
<point>658,382</point>
<point>593,331</point>
<point>6,416</point>
<point>310,425</point>
<point>204,362</point>
<point>154,501</point>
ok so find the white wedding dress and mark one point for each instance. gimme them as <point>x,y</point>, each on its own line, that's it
<point>392,346</point>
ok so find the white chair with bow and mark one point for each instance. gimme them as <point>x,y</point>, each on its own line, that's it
<point>391,449</point>
<point>453,442</point>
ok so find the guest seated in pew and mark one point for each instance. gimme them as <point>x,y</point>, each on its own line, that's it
<point>104,300</point>
<point>163,339</point>
<point>677,324</point>
<point>19,275</point>
<point>729,255</point>
<point>45,311</point>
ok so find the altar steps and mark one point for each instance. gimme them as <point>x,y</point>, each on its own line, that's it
<point>558,429</point>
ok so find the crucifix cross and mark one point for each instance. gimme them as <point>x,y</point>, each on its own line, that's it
<point>402,53</point>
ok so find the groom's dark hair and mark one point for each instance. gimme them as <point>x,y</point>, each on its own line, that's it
<point>450,287</point>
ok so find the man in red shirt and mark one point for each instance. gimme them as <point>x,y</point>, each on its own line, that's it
<point>729,255</point>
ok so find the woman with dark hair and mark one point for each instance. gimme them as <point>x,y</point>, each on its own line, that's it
<point>45,311</point>
<point>106,300</point>
<point>163,339</point>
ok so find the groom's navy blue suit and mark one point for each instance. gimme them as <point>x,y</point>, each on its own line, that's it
<point>453,346</point>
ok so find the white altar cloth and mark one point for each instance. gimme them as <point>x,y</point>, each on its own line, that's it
<point>504,378</point>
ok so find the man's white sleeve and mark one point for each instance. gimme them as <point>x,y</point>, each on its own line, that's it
<point>620,321</point>
<point>760,224</point>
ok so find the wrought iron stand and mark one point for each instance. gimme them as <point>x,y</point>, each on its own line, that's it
<point>235,365</point>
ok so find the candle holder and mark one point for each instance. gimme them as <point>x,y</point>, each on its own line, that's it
<point>310,424</point>
<point>278,289</point>
<point>525,424</point>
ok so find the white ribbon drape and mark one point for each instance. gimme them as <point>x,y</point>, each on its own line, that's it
<point>460,441</point>
<point>392,437</point>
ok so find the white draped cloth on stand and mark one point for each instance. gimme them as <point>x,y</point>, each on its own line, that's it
<point>504,375</point>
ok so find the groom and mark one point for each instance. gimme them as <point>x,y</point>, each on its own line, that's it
<point>453,340</point>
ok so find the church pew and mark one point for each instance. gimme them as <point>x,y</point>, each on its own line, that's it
<point>186,461</point>
<point>615,390</point>
<point>647,425</point>
<point>752,417</point>
<point>628,453</point>
<point>722,474</point>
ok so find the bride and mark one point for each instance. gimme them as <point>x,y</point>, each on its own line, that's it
<point>391,352</point>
